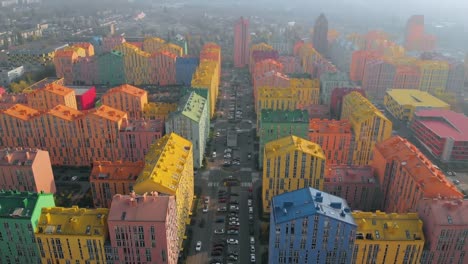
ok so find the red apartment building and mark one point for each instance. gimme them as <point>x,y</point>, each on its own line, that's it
<point>241,43</point>
<point>26,170</point>
<point>357,185</point>
<point>334,136</point>
<point>406,77</point>
<point>406,176</point>
<point>443,132</point>
<point>358,63</point>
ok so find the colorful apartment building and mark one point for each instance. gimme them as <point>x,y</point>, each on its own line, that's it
<point>127,98</point>
<point>111,70</point>
<point>334,137</point>
<point>308,90</point>
<point>212,52</point>
<point>137,135</point>
<point>403,103</point>
<point>109,43</point>
<point>291,163</point>
<point>271,79</point>
<point>165,66</point>
<point>434,75</point>
<point>330,81</point>
<point>276,124</point>
<point>153,44</point>
<point>19,217</point>
<point>356,184</point>
<point>26,170</point>
<point>261,47</point>
<point>110,178</point>
<point>290,63</point>
<point>358,63</point>
<point>21,134</point>
<point>369,126</point>
<point>415,37</point>
<point>191,121</point>
<point>456,71</point>
<point>267,65</point>
<point>406,176</point>
<point>340,53</point>
<point>379,75</point>
<point>36,55</point>
<point>185,67</point>
<point>445,231</point>
<point>309,226</point>
<point>8,100</point>
<point>207,77</point>
<point>142,237</point>
<point>72,235</point>
<point>443,133</point>
<point>88,48</point>
<point>336,100</point>
<point>241,43</point>
<point>50,96</point>
<point>169,170</point>
<point>388,238</point>
<point>86,71</point>
<point>85,96</point>
<point>158,110</point>
<point>63,62</point>
<point>406,77</point>
<point>136,64</point>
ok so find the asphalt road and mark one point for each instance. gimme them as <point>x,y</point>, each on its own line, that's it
<point>210,180</point>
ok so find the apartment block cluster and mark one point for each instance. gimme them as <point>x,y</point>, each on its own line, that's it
<point>349,190</point>
<point>151,61</point>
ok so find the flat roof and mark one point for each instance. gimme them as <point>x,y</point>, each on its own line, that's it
<point>15,204</point>
<point>445,212</point>
<point>307,202</point>
<point>135,208</point>
<point>445,123</point>
<point>118,170</point>
<point>416,98</point>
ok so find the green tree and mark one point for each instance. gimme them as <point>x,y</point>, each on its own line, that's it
<point>18,87</point>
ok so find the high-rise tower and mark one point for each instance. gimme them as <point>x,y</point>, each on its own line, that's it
<point>319,38</point>
<point>241,43</point>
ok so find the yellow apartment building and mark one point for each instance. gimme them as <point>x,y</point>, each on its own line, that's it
<point>207,77</point>
<point>136,64</point>
<point>291,163</point>
<point>72,235</point>
<point>169,170</point>
<point>388,238</point>
<point>403,103</point>
<point>369,125</point>
<point>434,75</point>
<point>158,110</point>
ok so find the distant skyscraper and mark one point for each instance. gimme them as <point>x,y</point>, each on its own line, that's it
<point>415,37</point>
<point>241,43</point>
<point>319,38</point>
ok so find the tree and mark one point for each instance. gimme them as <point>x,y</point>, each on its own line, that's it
<point>18,87</point>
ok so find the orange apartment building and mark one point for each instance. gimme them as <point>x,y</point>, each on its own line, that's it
<point>126,98</point>
<point>406,176</point>
<point>407,77</point>
<point>358,63</point>
<point>267,65</point>
<point>72,137</point>
<point>110,178</point>
<point>138,135</point>
<point>334,136</point>
<point>51,95</point>
<point>63,62</point>
<point>26,170</point>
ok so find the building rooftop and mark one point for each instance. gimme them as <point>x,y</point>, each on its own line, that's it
<point>65,112</point>
<point>22,112</point>
<point>44,82</point>
<point>284,116</point>
<point>135,208</point>
<point>191,106</point>
<point>108,113</point>
<point>73,221</point>
<point>18,205</point>
<point>80,90</point>
<point>58,89</point>
<point>308,202</point>
<point>18,156</point>
<point>428,178</point>
<point>116,171</point>
<point>291,142</point>
<point>350,174</point>
<point>362,107</point>
<point>326,126</point>
<point>445,123</point>
<point>416,98</point>
<point>142,125</point>
<point>128,89</point>
<point>445,212</point>
<point>388,227</point>
<point>164,164</point>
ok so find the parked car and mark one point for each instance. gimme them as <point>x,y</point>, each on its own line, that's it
<point>232,241</point>
<point>198,246</point>
<point>205,209</point>
<point>232,232</point>
<point>252,249</point>
<point>252,240</point>
<point>222,209</point>
<point>252,258</point>
<point>249,202</point>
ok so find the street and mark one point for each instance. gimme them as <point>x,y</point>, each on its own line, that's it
<point>234,112</point>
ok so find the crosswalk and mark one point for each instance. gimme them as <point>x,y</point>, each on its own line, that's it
<point>213,184</point>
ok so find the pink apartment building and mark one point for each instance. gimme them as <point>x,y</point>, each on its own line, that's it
<point>110,178</point>
<point>26,170</point>
<point>164,65</point>
<point>143,228</point>
<point>7,100</point>
<point>241,43</point>
<point>445,231</point>
<point>356,184</point>
<point>109,43</point>
<point>138,135</point>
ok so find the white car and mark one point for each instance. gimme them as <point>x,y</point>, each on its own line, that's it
<point>198,246</point>
<point>74,178</point>
<point>250,210</point>
<point>252,258</point>
<point>214,154</point>
<point>252,249</point>
<point>234,223</point>
<point>232,241</point>
<point>252,240</point>
<point>219,231</point>
<point>205,209</point>
<point>249,202</point>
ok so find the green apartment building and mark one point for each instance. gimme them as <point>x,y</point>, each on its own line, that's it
<point>19,215</point>
<point>191,121</point>
<point>111,68</point>
<point>276,124</point>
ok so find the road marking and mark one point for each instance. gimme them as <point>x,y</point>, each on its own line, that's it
<point>246,184</point>
<point>213,184</point>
